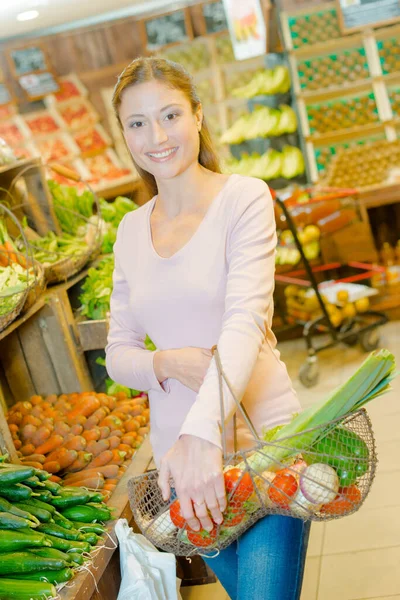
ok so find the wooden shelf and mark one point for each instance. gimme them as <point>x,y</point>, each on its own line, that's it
<point>375,196</point>
<point>85,583</point>
<point>346,134</point>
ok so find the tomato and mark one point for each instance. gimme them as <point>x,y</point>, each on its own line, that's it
<point>347,499</point>
<point>175,514</point>
<point>241,486</point>
<point>233,516</point>
<point>283,488</point>
<point>202,538</point>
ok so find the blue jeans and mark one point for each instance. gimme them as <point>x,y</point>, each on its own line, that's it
<point>266,562</point>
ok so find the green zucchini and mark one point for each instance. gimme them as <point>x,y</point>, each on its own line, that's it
<point>26,562</point>
<point>53,487</point>
<point>16,493</point>
<point>44,495</point>
<point>61,532</point>
<point>42,475</point>
<point>15,589</point>
<point>55,577</point>
<point>33,482</point>
<point>11,476</point>
<point>68,499</point>
<point>11,541</point>
<point>90,538</point>
<point>43,505</point>
<point>76,558</point>
<point>68,545</point>
<point>63,521</point>
<point>89,527</point>
<point>86,514</point>
<point>10,521</point>
<point>51,553</point>
<point>43,515</point>
<point>6,506</point>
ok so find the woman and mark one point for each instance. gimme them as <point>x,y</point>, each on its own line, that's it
<point>194,267</point>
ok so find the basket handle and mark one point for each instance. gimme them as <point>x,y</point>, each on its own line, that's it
<point>222,377</point>
<point>64,171</point>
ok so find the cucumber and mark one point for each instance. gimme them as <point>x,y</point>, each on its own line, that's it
<point>25,562</point>
<point>89,527</point>
<point>56,577</point>
<point>43,515</point>
<point>90,538</point>
<point>42,505</point>
<point>76,558</point>
<point>11,476</point>
<point>62,521</point>
<point>51,553</point>
<point>68,499</point>
<point>44,495</point>
<point>14,589</point>
<point>10,521</point>
<point>6,506</point>
<point>33,482</point>
<point>61,532</point>
<point>68,545</point>
<point>16,493</point>
<point>53,487</point>
<point>11,541</point>
<point>86,514</point>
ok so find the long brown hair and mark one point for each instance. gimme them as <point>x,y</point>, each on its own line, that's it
<point>175,76</point>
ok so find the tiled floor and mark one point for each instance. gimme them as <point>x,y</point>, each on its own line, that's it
<point>356,558</point>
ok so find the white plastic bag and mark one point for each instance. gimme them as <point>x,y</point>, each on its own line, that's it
<point>146,573</point>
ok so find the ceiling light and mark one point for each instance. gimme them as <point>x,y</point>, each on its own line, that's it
<point>28,15</point>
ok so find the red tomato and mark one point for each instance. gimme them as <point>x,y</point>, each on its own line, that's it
<point>346,500</point>
<point>233,516</point>
<point>283,488</point>
<point>175,514</point>
<point>202,538</point>
<point>241,486</point>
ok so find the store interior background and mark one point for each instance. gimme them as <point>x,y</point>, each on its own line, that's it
<point>356,558</point>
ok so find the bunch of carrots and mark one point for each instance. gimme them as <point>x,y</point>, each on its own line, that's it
<point>8,252</point>
<point>83,439</point>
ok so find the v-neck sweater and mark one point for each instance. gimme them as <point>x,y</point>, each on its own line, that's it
<point>216,289</point>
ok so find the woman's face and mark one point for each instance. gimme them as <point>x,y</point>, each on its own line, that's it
<point>160,128</point>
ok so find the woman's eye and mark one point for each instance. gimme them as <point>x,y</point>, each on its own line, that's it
<point>171,116</point>
<point>136,125</point>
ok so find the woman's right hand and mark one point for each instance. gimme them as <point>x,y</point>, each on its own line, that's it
<point>188,365</point>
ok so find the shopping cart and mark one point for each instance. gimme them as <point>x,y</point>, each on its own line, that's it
<point>321,332</point>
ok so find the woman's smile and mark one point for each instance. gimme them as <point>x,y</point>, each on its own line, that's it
<point>162,155</point>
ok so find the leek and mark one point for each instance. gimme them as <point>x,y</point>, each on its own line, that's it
<point>371,380</point>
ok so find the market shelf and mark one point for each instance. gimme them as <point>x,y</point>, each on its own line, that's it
<point>92,334</point>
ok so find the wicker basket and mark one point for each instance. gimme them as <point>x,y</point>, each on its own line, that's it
<point>316,479</point>
<point>37,287</point>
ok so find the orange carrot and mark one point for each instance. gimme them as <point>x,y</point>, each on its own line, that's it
<point>132,425</point>
<point>79,420</point>
<point>76,429</point>
<point>27,432</point>
<point>77,443</point>
<point>27,449</point>
<point>91,422</point>
<point>40,458</point>
<point>51,467</point>
<point>112,480</point>
<point>17,444</point>
<point>51,399</point>
<point>109,487</point>
<point>54,442</point>
<point>104,432</point>
<point>106,471</point>
<point>31,463</point>
<point>80,463</point>
<point>41,436</point>
<point>86,408</point>
<point>118,457</point>
<point>93,434</point>
<point>114,441</point>
<point>97,448</point>
<point>55,479</point>
<point>143,431</point>
<point>36,400</point>
<point>15,418</point>
<point>23,407</point>
<point>10,251</point>
<point>95,482</point>
<point>118,432</point>
<point>102,459</point>
<point>63,456</point>
<point>61,428</point>
<point>37,411</point>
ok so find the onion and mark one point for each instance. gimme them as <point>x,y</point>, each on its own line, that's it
<point>319,483</point>
<point>301,506</point>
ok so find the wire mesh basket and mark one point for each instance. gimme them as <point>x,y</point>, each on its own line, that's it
<point>319,474</point>
<point>19,276</point>
<point>85,229</point>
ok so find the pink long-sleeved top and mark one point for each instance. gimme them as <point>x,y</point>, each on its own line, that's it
<point>217,289</point>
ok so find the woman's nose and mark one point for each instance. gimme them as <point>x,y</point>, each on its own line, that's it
<point>159,135</point>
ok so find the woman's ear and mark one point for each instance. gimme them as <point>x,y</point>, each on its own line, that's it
<point>199,117</point>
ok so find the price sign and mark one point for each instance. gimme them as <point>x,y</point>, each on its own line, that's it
<point>168,29</point>
<point>38,85</point>
<point>357,14</point>
<point>5,96</point>
<point>214,17</point>
<point>30,59</point>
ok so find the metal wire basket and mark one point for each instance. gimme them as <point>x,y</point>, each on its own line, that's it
<point>13,301</point>
<point>319,474</point>
<point>59,267</point>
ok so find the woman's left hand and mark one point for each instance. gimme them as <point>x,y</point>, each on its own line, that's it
<point>195,466</point>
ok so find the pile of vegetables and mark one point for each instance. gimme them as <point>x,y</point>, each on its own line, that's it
<point>307,467</point>
<point>14,276</point>
<point>112,213</point>
<point>84,439</point>
<point>51,248</point>
<point>47,531</point>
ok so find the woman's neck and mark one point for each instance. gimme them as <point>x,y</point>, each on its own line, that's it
<point>184,194</point>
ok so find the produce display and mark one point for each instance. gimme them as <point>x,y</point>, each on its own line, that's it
<point>272,165</point>
<point>42,123</point>
<point>7,155</point>
<point>263,122</point>
<point>266,82</point>
<point>302,305</point>
<point>362,166</point>
<point>57,148</point>
<point>112,214</point>
<point>193,57</point>
<point>224,49</point>
<point>287,252</point>
<point>91,141</point>
<point>96,290</point>
<point>7,111</point>
<point>85,439</point>
<point>319,466</point>
<point>325,153</point>
<point>341,68</point>
<point>11,132</point>
<point>394,99</point>
<point>238,79</point>
<point>70,88</point>
<point>77,114</point>
<point>389,54</point>
<point>321,26</point>
<point>47,531</point>
<point>342,113</point>
<point>105,167</point>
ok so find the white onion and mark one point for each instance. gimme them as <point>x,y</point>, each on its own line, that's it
<point>319,483</point>
<point>301,506</point>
